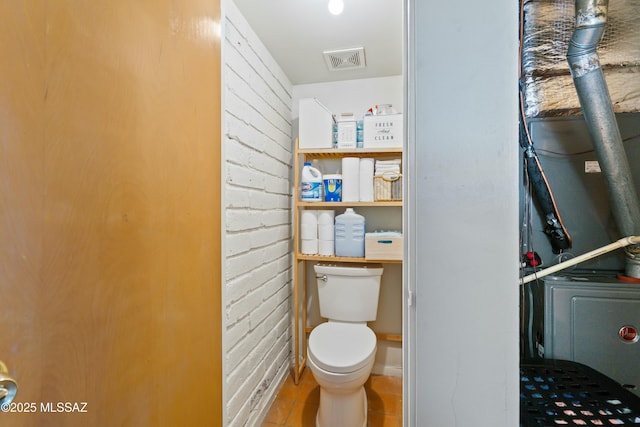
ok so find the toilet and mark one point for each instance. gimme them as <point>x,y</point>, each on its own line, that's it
<point>341,351</point>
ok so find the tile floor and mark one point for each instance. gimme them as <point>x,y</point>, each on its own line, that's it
<point>296,405</point>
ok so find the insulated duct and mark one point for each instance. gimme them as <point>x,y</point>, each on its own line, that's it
<point>547,85</point>
<point>593,94</point>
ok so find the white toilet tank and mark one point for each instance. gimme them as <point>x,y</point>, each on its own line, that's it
<point>348,293</point>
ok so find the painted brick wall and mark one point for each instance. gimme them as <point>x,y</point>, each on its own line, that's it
<point>257,102</point>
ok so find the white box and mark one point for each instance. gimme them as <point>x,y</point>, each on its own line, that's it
<point>384,131</point>
<point>347,134</point>
<point>315,124</point>
<point>383,245</point>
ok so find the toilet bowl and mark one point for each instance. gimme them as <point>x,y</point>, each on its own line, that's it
<point>341,357</point>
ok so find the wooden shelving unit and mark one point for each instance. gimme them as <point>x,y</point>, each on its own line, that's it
<point>301,260</point>
<point>324,258</point>
<point>347,204</point>
<point>327,153</point>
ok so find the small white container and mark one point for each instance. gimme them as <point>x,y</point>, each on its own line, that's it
<point>332,188</point>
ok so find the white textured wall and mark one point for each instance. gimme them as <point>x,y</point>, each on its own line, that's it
<point>257,234</point>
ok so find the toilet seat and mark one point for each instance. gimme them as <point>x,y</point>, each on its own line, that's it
<point>341,347</point>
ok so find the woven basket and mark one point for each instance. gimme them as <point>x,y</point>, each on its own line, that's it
<point>387,187</point>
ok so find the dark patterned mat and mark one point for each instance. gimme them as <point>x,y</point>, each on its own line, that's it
<point>562,393</point>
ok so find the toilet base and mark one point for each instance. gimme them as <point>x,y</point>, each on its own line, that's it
<point>342,409</point>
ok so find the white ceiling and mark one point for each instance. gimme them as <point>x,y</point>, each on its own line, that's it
<point>296,32</point>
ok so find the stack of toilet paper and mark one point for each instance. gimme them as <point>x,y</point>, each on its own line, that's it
<point>317,232</point>
<point>357,179</point>
<point>326,232</point>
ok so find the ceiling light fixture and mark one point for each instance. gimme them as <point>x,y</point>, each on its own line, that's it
<point>336,7</point>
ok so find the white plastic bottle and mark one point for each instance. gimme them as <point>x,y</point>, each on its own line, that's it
<point>310,184</point>
<point>349,234</point>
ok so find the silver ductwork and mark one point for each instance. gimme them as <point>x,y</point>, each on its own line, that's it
<point>593,94</point>
<point>547,85</point>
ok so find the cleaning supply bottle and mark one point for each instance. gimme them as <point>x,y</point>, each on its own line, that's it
<point>349,234</point>
<point>310,184</point>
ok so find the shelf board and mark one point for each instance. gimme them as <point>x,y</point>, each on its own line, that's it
<point>326,258</point>
<point>348,204</point>
<point>320,153</point>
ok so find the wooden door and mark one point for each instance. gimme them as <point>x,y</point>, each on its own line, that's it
<point>110,212</point>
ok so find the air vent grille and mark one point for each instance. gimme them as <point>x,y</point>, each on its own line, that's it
<point>345,59</point>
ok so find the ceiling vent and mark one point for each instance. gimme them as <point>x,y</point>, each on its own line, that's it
<point>345,59</point>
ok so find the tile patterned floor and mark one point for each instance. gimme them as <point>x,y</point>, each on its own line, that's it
<point>296,405</point>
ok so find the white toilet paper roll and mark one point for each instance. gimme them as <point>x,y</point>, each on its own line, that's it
<point>350,179</point>
<point>326,247</point>
<point>366,180</point>
<point>309,246</point>
<point>326,217</point>
<point>308,231</point>
<point>309,217</point>
<point>326,232</point>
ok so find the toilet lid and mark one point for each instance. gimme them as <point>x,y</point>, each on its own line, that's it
<point>341,347</point>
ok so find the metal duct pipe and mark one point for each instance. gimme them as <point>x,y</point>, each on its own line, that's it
<point>591,17</point>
